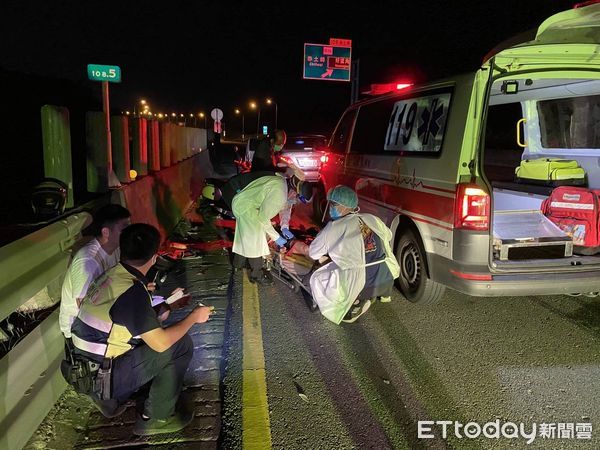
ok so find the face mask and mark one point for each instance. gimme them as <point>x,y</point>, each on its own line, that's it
<point>334,213</point>
<point>277,147</point>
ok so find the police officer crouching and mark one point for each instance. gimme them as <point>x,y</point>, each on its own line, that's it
<point>118,333</point>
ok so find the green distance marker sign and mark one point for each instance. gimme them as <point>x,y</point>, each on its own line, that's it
<point>98,72</point>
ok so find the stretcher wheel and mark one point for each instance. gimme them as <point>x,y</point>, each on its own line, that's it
<point>296,288</point>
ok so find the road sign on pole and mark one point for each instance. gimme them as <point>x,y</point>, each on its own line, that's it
<point>327,62</point>
<point>98,72</point>
<point>106,74</point>
<point>216,114</point>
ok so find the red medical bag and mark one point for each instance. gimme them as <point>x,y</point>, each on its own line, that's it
<point>575,211</point>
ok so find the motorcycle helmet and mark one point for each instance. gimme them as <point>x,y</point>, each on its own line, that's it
<point>49,198</point>
<point>210,192</point>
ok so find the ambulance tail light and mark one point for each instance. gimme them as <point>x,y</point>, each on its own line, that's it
<point>472,208</point>
<point>324,159</point>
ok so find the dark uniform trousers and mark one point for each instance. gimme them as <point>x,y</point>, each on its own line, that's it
<point>256,264</point>
<point>165,372</point>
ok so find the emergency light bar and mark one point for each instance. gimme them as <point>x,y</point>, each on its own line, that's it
<point>584,4</point>
<point>386,88</point>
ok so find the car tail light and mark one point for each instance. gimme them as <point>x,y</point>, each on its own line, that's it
<point>472,208</point>
<point>324,158</point>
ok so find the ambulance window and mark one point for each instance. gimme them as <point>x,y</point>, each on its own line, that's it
<point>339,140</point>
<point>501,153</point>
<point>417,125</point>
<point>570,122</point>
<point>371,126</point>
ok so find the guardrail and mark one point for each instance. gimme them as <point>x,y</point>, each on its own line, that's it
<point>30,382</point>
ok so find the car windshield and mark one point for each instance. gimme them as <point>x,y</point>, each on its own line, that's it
<point>304,143</point>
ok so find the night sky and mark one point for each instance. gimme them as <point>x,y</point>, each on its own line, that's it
<point>192,56</point>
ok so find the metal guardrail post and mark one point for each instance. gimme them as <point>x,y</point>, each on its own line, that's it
<point>120,147</point>
<point>139,160</point>
<point>97,162</point>
<point>165,144</point>
<point>153,146</point>
<point>56,136</point>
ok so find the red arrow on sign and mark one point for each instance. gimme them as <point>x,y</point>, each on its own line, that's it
<point>328,73</point>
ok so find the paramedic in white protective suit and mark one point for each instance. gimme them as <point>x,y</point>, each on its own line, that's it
<point>253,208</point>
<point>363,266</point>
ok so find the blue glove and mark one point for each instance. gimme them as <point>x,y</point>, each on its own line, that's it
<point>287,233</point>
<point>281,241</point>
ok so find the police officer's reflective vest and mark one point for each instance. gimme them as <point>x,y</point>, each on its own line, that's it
<point>93,331</point>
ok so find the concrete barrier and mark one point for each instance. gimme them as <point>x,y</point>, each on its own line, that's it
<point>162,198</point>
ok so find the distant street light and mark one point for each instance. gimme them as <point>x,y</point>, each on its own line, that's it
<point>269,102</point>
<point>202,116</point>
<point>238,112</point>
<point>253,105</point>
<point>138,112</point>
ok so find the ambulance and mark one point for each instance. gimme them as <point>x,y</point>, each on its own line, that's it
<point>438,162</point>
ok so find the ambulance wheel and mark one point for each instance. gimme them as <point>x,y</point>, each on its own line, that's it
<point>413,282</point>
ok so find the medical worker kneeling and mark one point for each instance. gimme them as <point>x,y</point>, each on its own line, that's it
<point>363,266</point>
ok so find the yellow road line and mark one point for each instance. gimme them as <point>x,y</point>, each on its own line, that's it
<point>256,426</point>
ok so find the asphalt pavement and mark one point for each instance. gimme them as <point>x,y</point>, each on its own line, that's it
<point>530,360</point>
<point>267,363</point>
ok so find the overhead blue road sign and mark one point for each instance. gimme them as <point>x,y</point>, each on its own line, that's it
<point>327,62</point>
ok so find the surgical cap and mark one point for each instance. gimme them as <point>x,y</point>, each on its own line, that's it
<point>344,196</point>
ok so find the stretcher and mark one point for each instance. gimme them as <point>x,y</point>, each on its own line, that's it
<point>292,268</point>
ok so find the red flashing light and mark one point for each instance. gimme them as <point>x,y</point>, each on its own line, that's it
<point>472,208</point>
<point>380,89</point>
<point>324,159</point>
<point>584,4</point>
